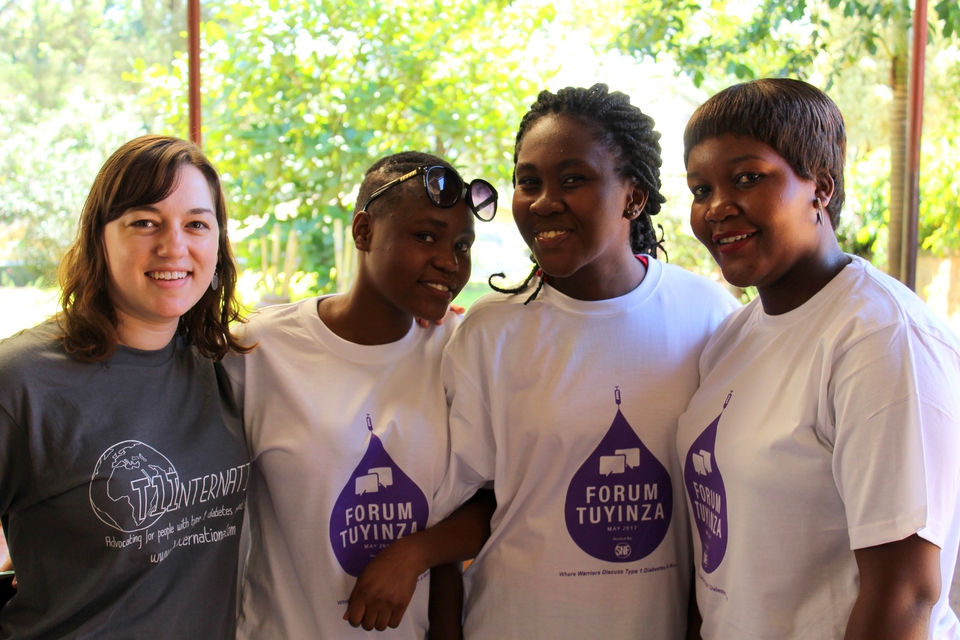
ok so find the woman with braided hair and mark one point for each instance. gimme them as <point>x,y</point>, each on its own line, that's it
<point>565,395</point>
<point>624,127</point>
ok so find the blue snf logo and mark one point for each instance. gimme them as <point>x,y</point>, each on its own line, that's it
<point>622,550</point>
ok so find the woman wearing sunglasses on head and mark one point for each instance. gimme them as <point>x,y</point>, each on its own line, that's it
<point>122,476</point>
<point>345,413</point>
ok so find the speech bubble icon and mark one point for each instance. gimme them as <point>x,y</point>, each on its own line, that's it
<point>385,473</point>
<point>367,484</point>
<point>632,457</point>
<point>612,464</point>
<point>707,460</point>
<point>698,464</point>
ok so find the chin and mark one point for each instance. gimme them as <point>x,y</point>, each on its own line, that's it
<point>739,280</point>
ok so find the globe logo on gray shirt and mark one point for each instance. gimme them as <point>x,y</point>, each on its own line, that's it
<point>132,486</point>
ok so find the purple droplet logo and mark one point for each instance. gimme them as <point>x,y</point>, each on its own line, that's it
<point>379,504</point>
<point>701,475</point>
<point>620,501</point>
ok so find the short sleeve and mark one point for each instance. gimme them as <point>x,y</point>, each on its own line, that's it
<point>234,368</point>
<point>473,448</point>
<point>896,458</point>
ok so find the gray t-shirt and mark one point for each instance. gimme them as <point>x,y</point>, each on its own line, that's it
<point>122,490</point>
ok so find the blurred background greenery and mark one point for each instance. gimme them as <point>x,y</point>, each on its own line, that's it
<point>299,98</point>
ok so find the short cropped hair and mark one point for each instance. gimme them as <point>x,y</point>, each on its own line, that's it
<point>391,167</point>
<point>142,172</point>
<point>797,120</point>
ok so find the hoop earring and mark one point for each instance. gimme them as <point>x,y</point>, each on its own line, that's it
<point>215,282</point>
<point>819,212</point>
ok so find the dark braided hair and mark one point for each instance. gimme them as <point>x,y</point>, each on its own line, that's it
<point>624,129</point>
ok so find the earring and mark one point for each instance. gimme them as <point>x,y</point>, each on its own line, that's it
<point>819,212</point>
<point>215,282</point>
<point>630,213</point>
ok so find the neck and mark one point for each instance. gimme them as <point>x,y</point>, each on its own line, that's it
<point>602,282</point>
<point>363,319</point>
<point>805,280</point>
<point>143,336</point>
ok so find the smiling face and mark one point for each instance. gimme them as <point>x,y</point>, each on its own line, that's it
<point>758,217</point>
<point>417,255</point>
<point>569,205</point>
<point>161,259</point>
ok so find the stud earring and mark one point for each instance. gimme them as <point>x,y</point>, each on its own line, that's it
<point>215,282</point>
<point>819,212</point>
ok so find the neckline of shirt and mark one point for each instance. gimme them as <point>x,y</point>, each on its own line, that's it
<point>125,355</point>
<point>360,353</point>
<point>620,304</point>
<point>819,299</point>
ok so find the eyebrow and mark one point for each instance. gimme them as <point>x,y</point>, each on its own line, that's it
<point>749,156</point>
<point>431,220</point>
<point>443,224</point>
<point>196,211</point>
<point>563,164</point>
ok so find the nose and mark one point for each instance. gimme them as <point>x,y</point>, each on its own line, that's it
<point>546,202</point>
<point>446,260</point>
<point>720,206</point>
<point>172,243</point>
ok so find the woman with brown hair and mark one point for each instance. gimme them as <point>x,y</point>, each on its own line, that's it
<point>122,474</point>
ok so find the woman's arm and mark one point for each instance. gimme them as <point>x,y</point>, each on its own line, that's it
<point>386,586</point>
<point>899,584</point>
<point>694,619</point>
<point>445,612</point>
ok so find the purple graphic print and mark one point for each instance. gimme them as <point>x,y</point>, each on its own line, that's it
<point>620,500</point>
<point>704,484</point>
<point>379,505</point>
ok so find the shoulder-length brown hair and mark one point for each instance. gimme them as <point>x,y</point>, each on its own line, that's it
<point>142,172</point>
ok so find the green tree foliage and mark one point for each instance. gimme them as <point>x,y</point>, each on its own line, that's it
<point>301,97</point>
<point>64,108</point>
<point>722,41</point>
<point>50,47</point>
<point>46,168</point>
<point>717,38</point>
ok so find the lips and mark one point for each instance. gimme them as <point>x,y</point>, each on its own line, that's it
<point>167,275</point>
<point>731,241</point>
<point>440,289</point>
<point>550,237</point>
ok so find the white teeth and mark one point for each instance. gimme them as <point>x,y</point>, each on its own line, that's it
<point>733,239</point>
<point>167,275</point>
<point>438,287</point>
<point>546,235</point>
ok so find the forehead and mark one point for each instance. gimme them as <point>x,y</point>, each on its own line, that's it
<point>415,208</point>
<point>729,149</point>
<point>560,139</point>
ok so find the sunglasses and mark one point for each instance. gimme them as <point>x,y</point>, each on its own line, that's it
<point>445,188</point>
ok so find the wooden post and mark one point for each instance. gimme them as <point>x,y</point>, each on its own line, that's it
<point>193,55</point>
<point>911,208</point>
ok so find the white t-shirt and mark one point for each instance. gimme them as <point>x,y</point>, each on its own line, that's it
<point>826,429</point>
<point>571,408</point>
<point>349,444</point>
